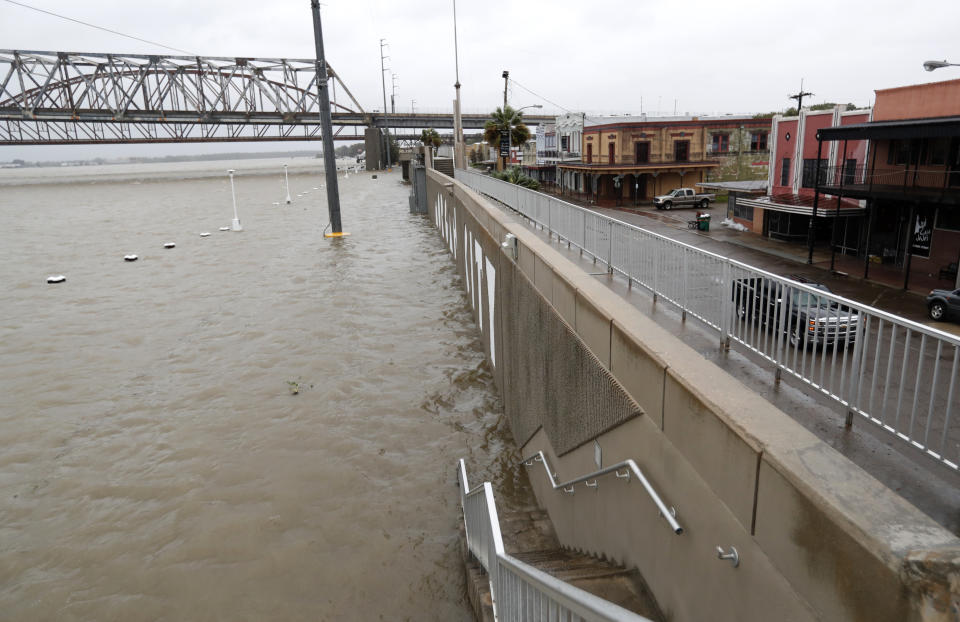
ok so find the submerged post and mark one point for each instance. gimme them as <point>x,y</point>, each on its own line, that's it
<point>329,156</point>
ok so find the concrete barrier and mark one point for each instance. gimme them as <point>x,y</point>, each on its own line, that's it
<point>580,369</point>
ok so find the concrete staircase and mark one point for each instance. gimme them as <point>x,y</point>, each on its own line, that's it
<point>528,535</point>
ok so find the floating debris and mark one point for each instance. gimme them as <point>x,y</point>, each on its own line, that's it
<point>224,228</point>
<point>56,278</point>
<point>204,234</point>
<point>170,245</point>
<point>130,258</point>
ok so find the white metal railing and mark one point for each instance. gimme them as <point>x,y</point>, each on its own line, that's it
<point>519,591</point>
<point>629,468</point>
<point>896,373</point>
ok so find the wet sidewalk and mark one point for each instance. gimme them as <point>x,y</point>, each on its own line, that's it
<point>883,290</point>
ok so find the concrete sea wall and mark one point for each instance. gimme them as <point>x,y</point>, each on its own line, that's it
<point>584,374</point>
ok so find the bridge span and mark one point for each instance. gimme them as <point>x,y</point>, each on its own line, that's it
<point>51,98</point>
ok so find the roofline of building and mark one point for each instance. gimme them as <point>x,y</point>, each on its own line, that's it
<point>913,86</point>
<point>764,122</point>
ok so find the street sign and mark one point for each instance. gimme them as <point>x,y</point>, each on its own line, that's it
<point>504,144</point>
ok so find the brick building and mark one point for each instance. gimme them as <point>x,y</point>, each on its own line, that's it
<point>883,188</point>
<point>632,159</point>
<point>786,210</point>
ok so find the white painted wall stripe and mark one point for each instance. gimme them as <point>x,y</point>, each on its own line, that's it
<point>491,290</point>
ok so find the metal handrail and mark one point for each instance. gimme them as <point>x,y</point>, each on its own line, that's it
<point>631,467</point>
<point>517,589</point>
<point>701,284</point>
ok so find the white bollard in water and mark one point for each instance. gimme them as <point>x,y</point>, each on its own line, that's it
<point>235,225</point>
<point>287,180</point>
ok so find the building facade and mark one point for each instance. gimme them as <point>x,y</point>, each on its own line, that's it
<point>786,210</point>
<point>880,186</point>
<point>633,159</point>
<point>910,183</point>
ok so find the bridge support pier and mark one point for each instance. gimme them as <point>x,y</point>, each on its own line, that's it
<point>373,144</point>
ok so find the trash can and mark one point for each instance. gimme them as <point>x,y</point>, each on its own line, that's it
<point>703,222</point>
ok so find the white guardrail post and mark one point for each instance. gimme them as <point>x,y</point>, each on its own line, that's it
<point>610,246</point>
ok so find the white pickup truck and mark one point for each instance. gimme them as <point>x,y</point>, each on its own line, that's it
<point>683,197</point>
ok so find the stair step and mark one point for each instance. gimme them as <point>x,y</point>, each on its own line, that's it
<point>527,530</point>
<point>528,535</point>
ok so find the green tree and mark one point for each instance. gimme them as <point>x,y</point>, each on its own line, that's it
<point>514,176</point>
<point>430,138</point>
<point>506,120</point>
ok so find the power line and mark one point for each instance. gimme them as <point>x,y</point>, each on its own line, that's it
<point>540,96</point>
<point>115,32</point>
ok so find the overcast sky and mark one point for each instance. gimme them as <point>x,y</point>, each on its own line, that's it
<point>601,56</point>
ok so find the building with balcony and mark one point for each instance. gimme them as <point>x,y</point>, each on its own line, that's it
<point>784,213</point>
<point>633,159</point>
<point>884,189</point>
<point>569,128</point>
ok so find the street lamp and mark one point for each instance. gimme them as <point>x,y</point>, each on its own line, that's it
<point>530,106</point>
<point>930,65</point>
<point>235,225</point>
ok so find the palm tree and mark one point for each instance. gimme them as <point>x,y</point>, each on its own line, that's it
<point>430,138</point>
<point>506,119</point>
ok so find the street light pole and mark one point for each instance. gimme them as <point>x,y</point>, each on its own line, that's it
<point>458,150</point>
<point>930,65</point>
<point>329,155</point>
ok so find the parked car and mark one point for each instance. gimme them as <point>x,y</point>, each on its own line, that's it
<point>683,197</point>
<point>943,304</point>
<point>807,317</point>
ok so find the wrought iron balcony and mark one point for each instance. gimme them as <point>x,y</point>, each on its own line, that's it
<point>696,159</point>
<point>864,181</point>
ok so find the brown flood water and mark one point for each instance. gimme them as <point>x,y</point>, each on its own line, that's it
<point>154,461</point>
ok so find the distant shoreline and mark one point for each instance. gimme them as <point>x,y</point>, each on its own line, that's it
<point>166,171</point>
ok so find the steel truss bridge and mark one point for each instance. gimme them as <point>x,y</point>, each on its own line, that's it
<point>49,98</point>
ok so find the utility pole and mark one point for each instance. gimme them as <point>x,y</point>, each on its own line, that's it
<point>383,82</point>
<point>799,97</point>
<point>326,126</point>
<point>393,93</point>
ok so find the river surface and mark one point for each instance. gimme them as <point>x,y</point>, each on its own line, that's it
<point>248,426</point>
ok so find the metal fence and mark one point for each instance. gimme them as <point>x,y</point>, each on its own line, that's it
<point>520,591</point>
<point>900,375</point>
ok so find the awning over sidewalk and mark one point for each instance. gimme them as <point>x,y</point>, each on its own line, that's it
<point>802,204</point>
<point>888,130</point>
<point>754,186</point>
